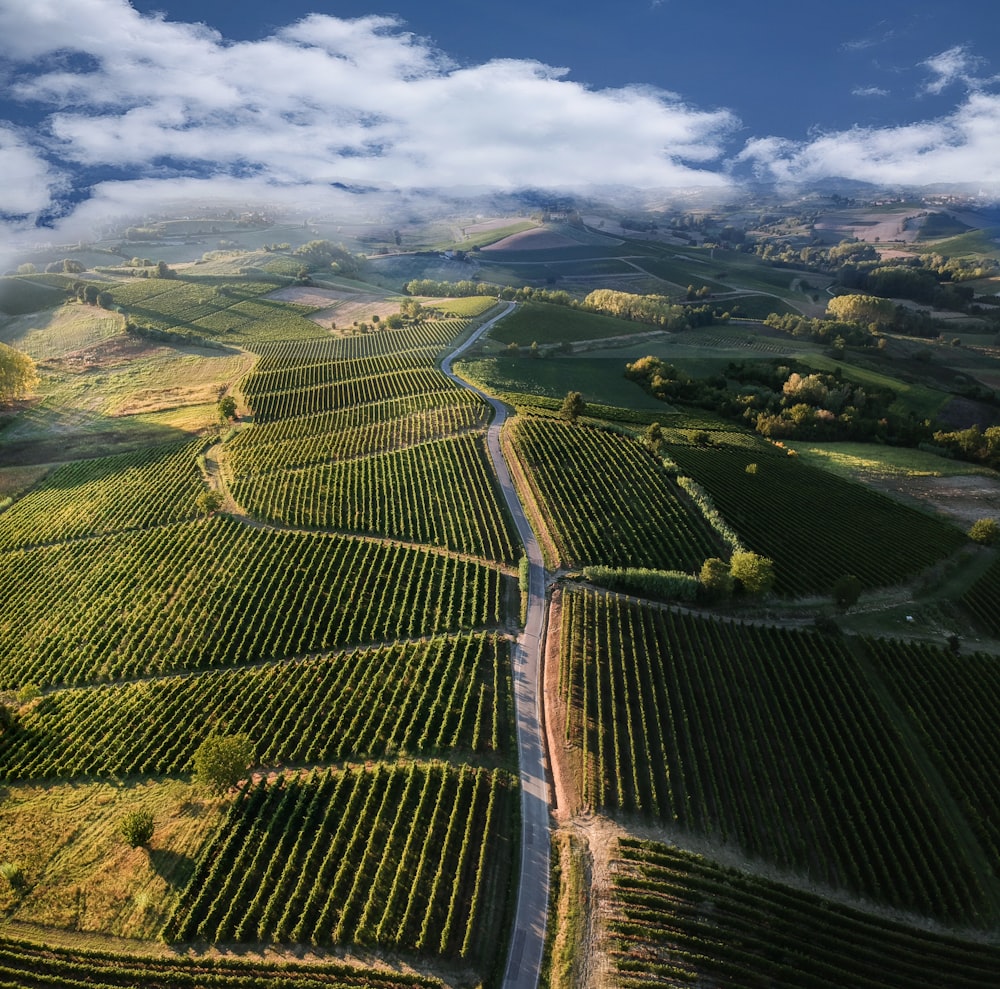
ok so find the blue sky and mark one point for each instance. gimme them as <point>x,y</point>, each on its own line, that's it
<point>109,107</point>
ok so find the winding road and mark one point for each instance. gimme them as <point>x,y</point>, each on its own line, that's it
<point>527,943</point>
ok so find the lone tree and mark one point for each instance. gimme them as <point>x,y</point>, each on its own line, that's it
<point>209,501</point>
<point>221,761</point>
<point>136,827</point>
<point>573,406</point>
<point>227,407</point>
<point>754,573</point>
<point>846,591</point>
<point>17,374</point>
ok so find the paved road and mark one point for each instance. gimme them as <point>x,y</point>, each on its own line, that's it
<point>527,943</point>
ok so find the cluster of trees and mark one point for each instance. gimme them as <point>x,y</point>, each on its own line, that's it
<point>93,295</point>
<point>320,254</point>
<point>975,444</point>
<point>829,332</point>
<point>745,573</point>
<point>781,402</point>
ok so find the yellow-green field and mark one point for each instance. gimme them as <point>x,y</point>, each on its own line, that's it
<point>79,874</point>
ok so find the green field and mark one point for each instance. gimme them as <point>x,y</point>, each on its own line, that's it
<point>599,380</point>
<point>537,322</point>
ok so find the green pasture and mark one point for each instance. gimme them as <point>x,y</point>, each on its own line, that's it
<point>872,461</point>
<point>542,323</point>
<point>599,380</point>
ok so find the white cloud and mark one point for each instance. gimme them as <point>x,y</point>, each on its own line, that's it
<point>956,64</point>
<point>869,91</point>
<point>26,179</point>
<point>961,148</point>
<point>328,100</point>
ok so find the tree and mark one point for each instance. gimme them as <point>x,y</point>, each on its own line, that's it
<point>573,406</point>
<point>653,435</point>
<point>17,374</point>
<point>984,531</point>
<point>221,761</point>
<point>164,271</point>
<point>105,300</point>
<point>208,502</point>
<point>754,573</point>
<point>227,407</point>
<point>862,309</point>
<point>846,591</point>
<point>715,578</point>
<point>136,827</point>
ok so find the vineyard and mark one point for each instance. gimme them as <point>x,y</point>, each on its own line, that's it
<point>440,493</point>
<point>216,593</point>
<point>773,508</point>
<point>213,308</point>
<point>608,500</point>
<point>680,920</point>
<point>427,698</point>
<point>28,966</point>
<point>770,739</point>
<point>980,600</point>
<point>415,857</point>
<point>92,497</point>
<point>953,702</point>
<point>289,444</point>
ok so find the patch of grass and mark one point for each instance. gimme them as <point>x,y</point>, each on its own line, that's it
<point>486,237</point>
<point>567,927</point>
<point>548,324</point>
<point>14,480</point>
<point>473,305</point>
<point>79,873</point>
<point>64,330</point>
<point>872,461</point>
<point>598,380</point>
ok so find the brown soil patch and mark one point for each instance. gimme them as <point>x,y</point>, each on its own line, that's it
<point>339,307</point>
<point>108,353</point>
<point>538,239</point>
<point>963,498</point>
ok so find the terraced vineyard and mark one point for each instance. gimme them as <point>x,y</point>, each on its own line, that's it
<point>213,308</point>
<point>428,698</point>
<point>858,531</point>
<point>607,500</point>
<point>149,629</point>
<point>764,737</point>
<point>92,497</point>
<point>440,493</point>
<point>409,856</point>
<point>680,920</point>
<point>360,430</point>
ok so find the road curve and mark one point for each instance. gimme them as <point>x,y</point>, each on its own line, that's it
<point>528,940</point>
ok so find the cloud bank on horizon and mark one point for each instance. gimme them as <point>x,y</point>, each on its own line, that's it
<point>161,109</point>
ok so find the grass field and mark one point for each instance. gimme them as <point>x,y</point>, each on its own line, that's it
<point>536,322</point>
<point>59,331</point>
<point>78,871</point>
<point>866,460</point>
<point>597,379</point>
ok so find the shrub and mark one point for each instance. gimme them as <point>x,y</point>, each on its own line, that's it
<point>136,827</point>
<point>846,591</point>
<point>984,531</point>
<point>13,874</point>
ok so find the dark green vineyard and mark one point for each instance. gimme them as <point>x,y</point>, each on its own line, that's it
<point>774,508</point>
<point>680,920</point>
<point>771,739</point>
